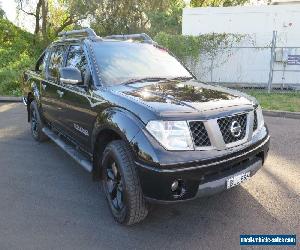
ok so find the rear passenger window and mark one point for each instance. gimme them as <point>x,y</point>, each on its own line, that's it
<point>56,62</point>
<point>76,59</point>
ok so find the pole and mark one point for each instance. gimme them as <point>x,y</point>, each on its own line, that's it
<point>272,61</point>
<point>212,58</point>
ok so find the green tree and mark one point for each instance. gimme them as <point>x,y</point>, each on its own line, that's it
<point>216,3</point>
<point>167,19</point>
<point>132,16</point>
<point>120,16</point>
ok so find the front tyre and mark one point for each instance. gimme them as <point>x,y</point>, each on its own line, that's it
<point>121,184</point>
<point>36,123</point>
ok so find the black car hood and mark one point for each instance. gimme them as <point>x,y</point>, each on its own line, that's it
<point>173,97</point>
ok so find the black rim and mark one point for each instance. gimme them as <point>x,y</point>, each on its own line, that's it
<point>114,185</point>
<point>34,123</point>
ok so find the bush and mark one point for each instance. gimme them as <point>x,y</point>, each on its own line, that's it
<point>185,47</point>
<point>18,51</point>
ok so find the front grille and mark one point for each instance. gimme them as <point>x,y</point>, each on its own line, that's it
<point>225,127</point>
<point>199,133</point>
<point>255,121</point>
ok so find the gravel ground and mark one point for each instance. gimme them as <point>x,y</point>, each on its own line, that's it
<point>47,201</point>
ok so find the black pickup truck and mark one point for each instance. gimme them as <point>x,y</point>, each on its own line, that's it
<point>135,117</point>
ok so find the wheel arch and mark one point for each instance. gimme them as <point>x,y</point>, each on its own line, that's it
<point>112,124</point>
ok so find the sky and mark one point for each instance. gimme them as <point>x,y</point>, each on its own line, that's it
<point>10,8</point>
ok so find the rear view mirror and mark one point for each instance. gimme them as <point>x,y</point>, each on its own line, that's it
<point>70,75</point>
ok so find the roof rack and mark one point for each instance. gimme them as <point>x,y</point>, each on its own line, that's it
<point>146,38</point>
<point>87,32</point>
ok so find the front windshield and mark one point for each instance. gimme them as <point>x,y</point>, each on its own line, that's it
<point>121,62</point>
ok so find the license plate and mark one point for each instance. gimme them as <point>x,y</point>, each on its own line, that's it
<point>238,179</point>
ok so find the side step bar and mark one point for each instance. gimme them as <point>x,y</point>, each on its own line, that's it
<point>70,150</point>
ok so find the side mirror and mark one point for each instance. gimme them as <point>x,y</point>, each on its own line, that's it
<point>70,75</point>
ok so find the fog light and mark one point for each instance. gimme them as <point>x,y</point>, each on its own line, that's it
<point>178,189</point>
<point>174,185</point>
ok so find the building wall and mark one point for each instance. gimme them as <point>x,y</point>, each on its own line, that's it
<point>248,62</point>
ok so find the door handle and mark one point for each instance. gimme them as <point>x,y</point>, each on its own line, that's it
<point>44,86</point>
<point>60,93</point>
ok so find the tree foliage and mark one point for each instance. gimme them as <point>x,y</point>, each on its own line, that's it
<point>54,16</point>
<point>168,19</point>
<point>16,55</point>
<point>133,16</point>
<point>216,3</point>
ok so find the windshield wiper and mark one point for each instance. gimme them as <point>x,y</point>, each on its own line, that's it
<point>145,79</point>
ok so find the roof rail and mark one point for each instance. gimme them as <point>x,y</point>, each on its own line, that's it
<point>146,38</point>
<point>87,32</point>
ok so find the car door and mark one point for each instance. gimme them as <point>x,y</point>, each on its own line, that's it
<point>78,116</point>
<point>40,69</point>
<point>51,89</point>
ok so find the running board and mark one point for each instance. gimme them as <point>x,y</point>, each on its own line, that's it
<point>70,150</point>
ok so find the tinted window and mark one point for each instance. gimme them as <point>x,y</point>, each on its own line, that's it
<point>41,63</point>
<point>42,66</point>
<point>56,61</point>
<point>123,61</point>
<point>76,58</point>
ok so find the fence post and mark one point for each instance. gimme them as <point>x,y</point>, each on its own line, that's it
<point>272,59</point>
<point>212,59</point>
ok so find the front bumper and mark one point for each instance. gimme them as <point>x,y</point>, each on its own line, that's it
<point>201,179</point>
<point>219,185</point>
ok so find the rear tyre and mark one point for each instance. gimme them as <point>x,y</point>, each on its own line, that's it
<point>36,124</point>
<point>121,184</point>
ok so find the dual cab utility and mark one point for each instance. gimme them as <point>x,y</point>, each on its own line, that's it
<point>129,112</point>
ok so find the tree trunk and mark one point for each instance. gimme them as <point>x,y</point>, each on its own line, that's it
<point>37,17</point>
<point>70,20</point>
<point>44,19</point>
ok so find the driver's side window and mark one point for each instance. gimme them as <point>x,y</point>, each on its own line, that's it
<point>77,59</point>
<point>55,62</point>
<point>40,66</point>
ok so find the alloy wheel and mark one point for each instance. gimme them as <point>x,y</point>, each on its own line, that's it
<point>114,185</point>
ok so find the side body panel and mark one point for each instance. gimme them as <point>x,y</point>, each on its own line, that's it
<point>78,115</point>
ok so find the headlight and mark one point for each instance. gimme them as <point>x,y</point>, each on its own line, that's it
<point>260,118</point>
<point>173,135</point>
